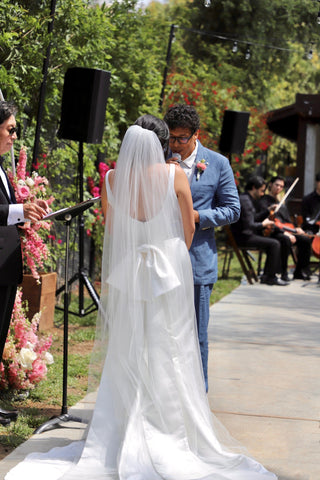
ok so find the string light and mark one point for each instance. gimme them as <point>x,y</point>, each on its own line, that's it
<point>236,42</point>
<point>310,52</point>
<point>318,16</point>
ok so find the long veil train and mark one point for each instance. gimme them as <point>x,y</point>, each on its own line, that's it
<point>152,420</point>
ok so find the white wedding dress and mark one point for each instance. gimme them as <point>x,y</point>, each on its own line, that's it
<point>151,420</point>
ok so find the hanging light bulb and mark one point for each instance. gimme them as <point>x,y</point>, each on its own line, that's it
<point>310,53</point>
<point>248,53</point>
<point>235,47</point>
<point>207,3</point>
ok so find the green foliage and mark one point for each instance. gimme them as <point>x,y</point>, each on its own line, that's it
<point>204,71</point>
<point>123,39</point>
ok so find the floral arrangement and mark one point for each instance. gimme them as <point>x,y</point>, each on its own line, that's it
<point>103,168</point>
<point>28,189</point>
<point>95,191</point>
<point>201,166</point>
<point>26,356</point>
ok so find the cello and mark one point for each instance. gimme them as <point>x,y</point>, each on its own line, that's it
<point>316,240</point>
<point>316,243</point>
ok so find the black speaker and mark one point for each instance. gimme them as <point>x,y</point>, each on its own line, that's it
<point>234,131</point>
<point>84,101</point>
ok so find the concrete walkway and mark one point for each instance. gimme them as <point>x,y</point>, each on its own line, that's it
<point>265,374</point>
<point>264,379</point>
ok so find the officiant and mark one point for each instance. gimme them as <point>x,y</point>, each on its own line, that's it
<point>11,214</point>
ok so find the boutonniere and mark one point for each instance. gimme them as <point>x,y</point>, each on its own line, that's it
<point>201,166</point>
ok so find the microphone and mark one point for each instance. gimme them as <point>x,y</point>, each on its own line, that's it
<point>177,156</point>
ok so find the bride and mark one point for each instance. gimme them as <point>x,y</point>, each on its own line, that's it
<point>151,420</point>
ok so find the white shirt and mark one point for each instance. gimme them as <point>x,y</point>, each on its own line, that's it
<point>188,165</point>
<point>15,210</point>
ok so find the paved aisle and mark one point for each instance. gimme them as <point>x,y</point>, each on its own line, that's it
<point>265,374</point>
<point>264,379</point>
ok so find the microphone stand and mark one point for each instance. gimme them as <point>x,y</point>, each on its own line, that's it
<point>66,215</point>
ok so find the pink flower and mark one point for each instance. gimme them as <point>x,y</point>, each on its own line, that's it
<point>22,347</point>
<point>23,192</point>
<point>29,189</point>
<point>103,168</point>
<point>201,167</point>
<point>39,371</point>
<point>96,191</point>
<point>21,167</point>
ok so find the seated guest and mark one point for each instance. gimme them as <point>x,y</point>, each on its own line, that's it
<point>287,234</point>
<point>311,209</point>
<point>248,231</point>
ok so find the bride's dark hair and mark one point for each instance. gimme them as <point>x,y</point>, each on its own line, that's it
<point>158,126</point>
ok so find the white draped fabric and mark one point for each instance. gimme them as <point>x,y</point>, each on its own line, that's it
<point>151,420</point>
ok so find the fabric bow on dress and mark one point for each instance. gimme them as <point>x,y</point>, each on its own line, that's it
<point>152,271</point>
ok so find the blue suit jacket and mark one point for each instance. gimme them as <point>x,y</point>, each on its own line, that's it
<point>216,198</point>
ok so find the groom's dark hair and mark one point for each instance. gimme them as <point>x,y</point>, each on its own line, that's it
<point>182,116</point>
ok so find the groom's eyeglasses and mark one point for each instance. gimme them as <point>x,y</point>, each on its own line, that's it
<point>180,140</point>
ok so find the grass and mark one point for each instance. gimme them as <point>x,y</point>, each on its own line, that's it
<point>46,399</point>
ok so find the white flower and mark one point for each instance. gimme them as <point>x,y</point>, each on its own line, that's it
<point>26,357</point>
<point>48,358</point>
<point>21,182</point>
<point>29,182</point>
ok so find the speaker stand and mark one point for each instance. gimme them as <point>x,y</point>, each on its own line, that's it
<point>81,274</point>
<point>54,422</point>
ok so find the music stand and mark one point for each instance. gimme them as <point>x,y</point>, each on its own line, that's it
<point>66,215</point>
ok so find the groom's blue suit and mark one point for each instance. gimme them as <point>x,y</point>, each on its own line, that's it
<point>216,199</point>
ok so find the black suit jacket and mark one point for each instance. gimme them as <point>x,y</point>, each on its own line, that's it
<point>249,222</point>
<point>10,248</point>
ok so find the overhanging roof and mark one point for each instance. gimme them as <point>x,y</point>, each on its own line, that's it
<point>285,121</point>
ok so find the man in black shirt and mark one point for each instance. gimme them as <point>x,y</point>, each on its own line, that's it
<point>311,208</point>
<point>248,230</point>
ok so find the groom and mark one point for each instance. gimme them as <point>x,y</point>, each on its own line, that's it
<point>215,202</point>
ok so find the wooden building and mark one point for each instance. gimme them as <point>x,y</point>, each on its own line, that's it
<point>300,123</point>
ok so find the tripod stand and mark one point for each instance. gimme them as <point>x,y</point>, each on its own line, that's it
<point>81,274</point>
<point>66,215</point>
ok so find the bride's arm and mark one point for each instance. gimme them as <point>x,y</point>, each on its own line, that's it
<point>182,189</point>
<point>104,198</point>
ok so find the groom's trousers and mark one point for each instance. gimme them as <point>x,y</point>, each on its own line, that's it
<point>202,306</point>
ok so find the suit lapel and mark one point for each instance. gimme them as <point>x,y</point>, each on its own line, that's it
<point>4,190</point>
